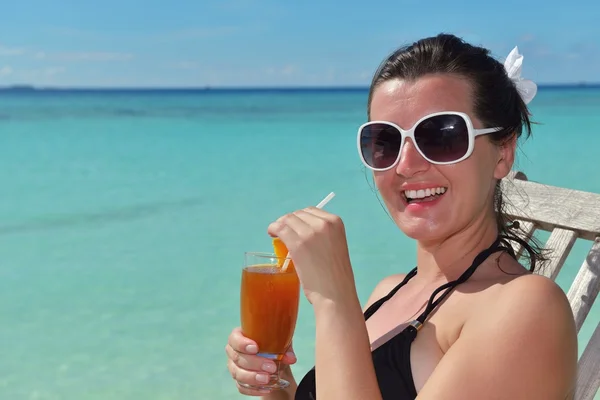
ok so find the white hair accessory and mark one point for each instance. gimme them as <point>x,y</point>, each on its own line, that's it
<point>513,63</point>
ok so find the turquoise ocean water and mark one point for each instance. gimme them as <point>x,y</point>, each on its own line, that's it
<point>124,217</point>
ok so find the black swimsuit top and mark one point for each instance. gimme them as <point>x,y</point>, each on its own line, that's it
<point>392,359</point>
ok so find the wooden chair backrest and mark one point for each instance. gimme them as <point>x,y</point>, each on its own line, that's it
<point>569,215</point>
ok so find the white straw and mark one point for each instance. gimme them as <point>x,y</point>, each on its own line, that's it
<point>320,205</point>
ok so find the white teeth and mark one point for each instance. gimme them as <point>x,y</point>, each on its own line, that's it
<point>422,193</point>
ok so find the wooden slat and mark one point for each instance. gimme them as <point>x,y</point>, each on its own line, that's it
<point>568,214</point>
<point>586,285</point>
<point>588,376</point>
<point>552,206</point>
<point>559,244</point>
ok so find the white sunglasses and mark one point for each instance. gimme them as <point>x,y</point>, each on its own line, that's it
<point>441,138</point>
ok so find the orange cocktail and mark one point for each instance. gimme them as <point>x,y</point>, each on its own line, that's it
<point>269,307</point>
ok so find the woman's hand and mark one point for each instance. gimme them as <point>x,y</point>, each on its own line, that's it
<point>246,367</point>
<point>316,241</point>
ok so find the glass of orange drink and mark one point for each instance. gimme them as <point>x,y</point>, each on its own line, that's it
<point>269,303</point>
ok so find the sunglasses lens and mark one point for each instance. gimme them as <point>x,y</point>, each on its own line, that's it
<point>380,145</point>
<point>443,138</point>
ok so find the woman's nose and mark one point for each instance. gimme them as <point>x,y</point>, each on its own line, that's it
<point>411,161</point>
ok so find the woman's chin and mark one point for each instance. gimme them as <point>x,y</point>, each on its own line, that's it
<point>421,230</point>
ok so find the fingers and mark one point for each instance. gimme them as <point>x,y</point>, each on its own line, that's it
<point>322,214</point>
<point>246,367</point>
<point>248,378</point>
<point>288,228</point>
<point>289,358</point>
<point>294,227</point>
<point>300,221</point>
<point>250,362</point>
<point>241,343</point>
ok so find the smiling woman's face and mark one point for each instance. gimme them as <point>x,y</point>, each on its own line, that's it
<point>467,186</point>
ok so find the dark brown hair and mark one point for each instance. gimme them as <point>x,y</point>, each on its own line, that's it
<point>496,101</point>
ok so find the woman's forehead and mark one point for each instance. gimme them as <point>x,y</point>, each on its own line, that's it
<point>406,101</point>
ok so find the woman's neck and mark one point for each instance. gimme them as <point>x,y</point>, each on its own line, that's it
<point>447,259</point>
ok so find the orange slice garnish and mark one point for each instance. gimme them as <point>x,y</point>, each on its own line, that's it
<point>281,252</point>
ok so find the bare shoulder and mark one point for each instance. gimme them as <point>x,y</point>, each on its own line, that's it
<point>520,343</point>
<point>383,288</point>
<point>533,304</point>
<point>534,293</point>
<point>531,316</point>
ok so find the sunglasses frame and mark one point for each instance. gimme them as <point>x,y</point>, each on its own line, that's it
<point>471,131</point>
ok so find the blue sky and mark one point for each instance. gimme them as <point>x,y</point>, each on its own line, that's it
<point>125,43</point>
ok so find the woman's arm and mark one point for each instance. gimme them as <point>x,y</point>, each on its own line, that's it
<point>524,347</point>
<point>343,350</point>
<point>316,241</point>
<point>344,364</point>
<point>380,291</point>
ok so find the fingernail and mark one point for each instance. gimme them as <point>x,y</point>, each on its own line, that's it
<point>269,367</point>
<point>252,348</point>
<point>290,354</point>
<point>262,378</point>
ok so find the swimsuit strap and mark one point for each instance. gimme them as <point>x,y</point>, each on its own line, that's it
<point>498,245</point>
<point>375,306</point>
<point>407,278</point>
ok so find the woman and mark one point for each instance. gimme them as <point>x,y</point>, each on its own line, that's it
<point>469,322</point>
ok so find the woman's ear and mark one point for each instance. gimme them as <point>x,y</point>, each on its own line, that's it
<point>506,152</point>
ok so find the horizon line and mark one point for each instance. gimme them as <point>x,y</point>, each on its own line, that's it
<point>41,88</point>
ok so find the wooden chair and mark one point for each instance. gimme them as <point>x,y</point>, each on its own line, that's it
<point>569,215</point>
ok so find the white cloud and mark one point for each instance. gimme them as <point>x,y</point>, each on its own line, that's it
<point>192,33</point>
<point>94,56</point>
<point>528,37</point>
<point>11,51</point>
<point>34,76</point>
<point>87,56</point>
<point>6,70</point>
<point>52,71</point>
<point>286,70</point>
<point>289,70</point>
